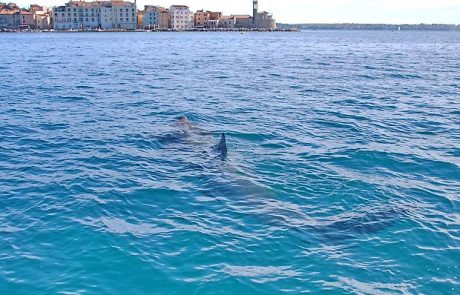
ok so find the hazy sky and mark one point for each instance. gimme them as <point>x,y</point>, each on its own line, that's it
<point>314,11</point>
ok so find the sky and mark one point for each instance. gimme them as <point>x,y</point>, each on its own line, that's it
<point>322,11</point>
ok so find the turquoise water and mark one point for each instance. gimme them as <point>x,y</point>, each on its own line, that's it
<point>342,177</point>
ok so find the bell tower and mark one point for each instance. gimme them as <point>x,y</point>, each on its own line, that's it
<point>255,7</point>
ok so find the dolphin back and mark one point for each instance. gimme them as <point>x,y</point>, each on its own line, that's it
<point>221,147</point>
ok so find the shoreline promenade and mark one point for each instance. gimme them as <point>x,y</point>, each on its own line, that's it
<point>222,30</point>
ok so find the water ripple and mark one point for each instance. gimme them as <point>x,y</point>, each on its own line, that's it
<point>343,172</point>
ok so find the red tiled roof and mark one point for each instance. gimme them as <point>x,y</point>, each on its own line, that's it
<point>9,12</point>
<point>241,16</point>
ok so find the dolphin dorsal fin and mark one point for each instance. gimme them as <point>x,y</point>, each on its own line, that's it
<point>222,146</point>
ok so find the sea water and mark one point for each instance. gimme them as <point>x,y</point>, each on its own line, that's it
<point>342,174</point>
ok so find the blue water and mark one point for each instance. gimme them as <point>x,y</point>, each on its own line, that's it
<point>342,177</point>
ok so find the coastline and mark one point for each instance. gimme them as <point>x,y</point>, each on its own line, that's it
<point>371,27</point>
<point>283,28</point>
<point>239,30</point>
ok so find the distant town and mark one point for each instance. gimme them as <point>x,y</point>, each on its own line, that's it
<point>119,15</point>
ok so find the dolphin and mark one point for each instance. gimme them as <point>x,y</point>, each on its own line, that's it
<point>221,147</point>
<point>220,184</point>
<point>186,132</point>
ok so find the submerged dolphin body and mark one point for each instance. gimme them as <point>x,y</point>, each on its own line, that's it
<point>221,147</point>
<point>228,185</point>
<point>361,223</point>
<point>184,132</point>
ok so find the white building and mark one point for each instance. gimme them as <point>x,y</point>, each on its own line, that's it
<point>62,18</point>
<point>124,15</point>
<point>42,20</point>
<point>181,18</point>
<point>106,16</point>
<point>95,15</point>
<point>91,15</point>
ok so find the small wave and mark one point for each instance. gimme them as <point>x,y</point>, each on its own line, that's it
<point>262,273</point>
<point>367,77</point>
<point>119,226</point>
<point>273,145</point>
<point>404,76</point>
<point>55,126</point>
<point>376,288</point>
<point>99,74</point>
<point>74,98</point>
<point>9,229</point>
<point>310,91</point>
<point>370,67</point>
<point>254,137</point>
<point>84,87</point>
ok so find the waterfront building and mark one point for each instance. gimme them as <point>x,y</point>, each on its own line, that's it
<point>96,15</point>
<point>107,16</point>
<point>264,20</point>
<point>201,17</point>
<point>140,18</point>
<point>77,15</point>
<point>36,17</point>
<point>181,18</point>
<point>90,13</point>
<point>42,20</point>
<point>261,20</point>
<point>36,8</point>
<point>42,17</point>
<point>207,19</point>
<point>255,8</point>
<point>211,23</point>
<point>215,15</point>
<point>155,17</point>
<point>243,21</point>
<point>9,6</point>
<point>124,15</point>
<point>9,16</point>
<point>227,22</point>
<point>26,20</point>
<point>9,19</point>
<point>163,19</point>
<point>60,19</point>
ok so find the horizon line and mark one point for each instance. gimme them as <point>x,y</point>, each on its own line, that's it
<point>364,23</point>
